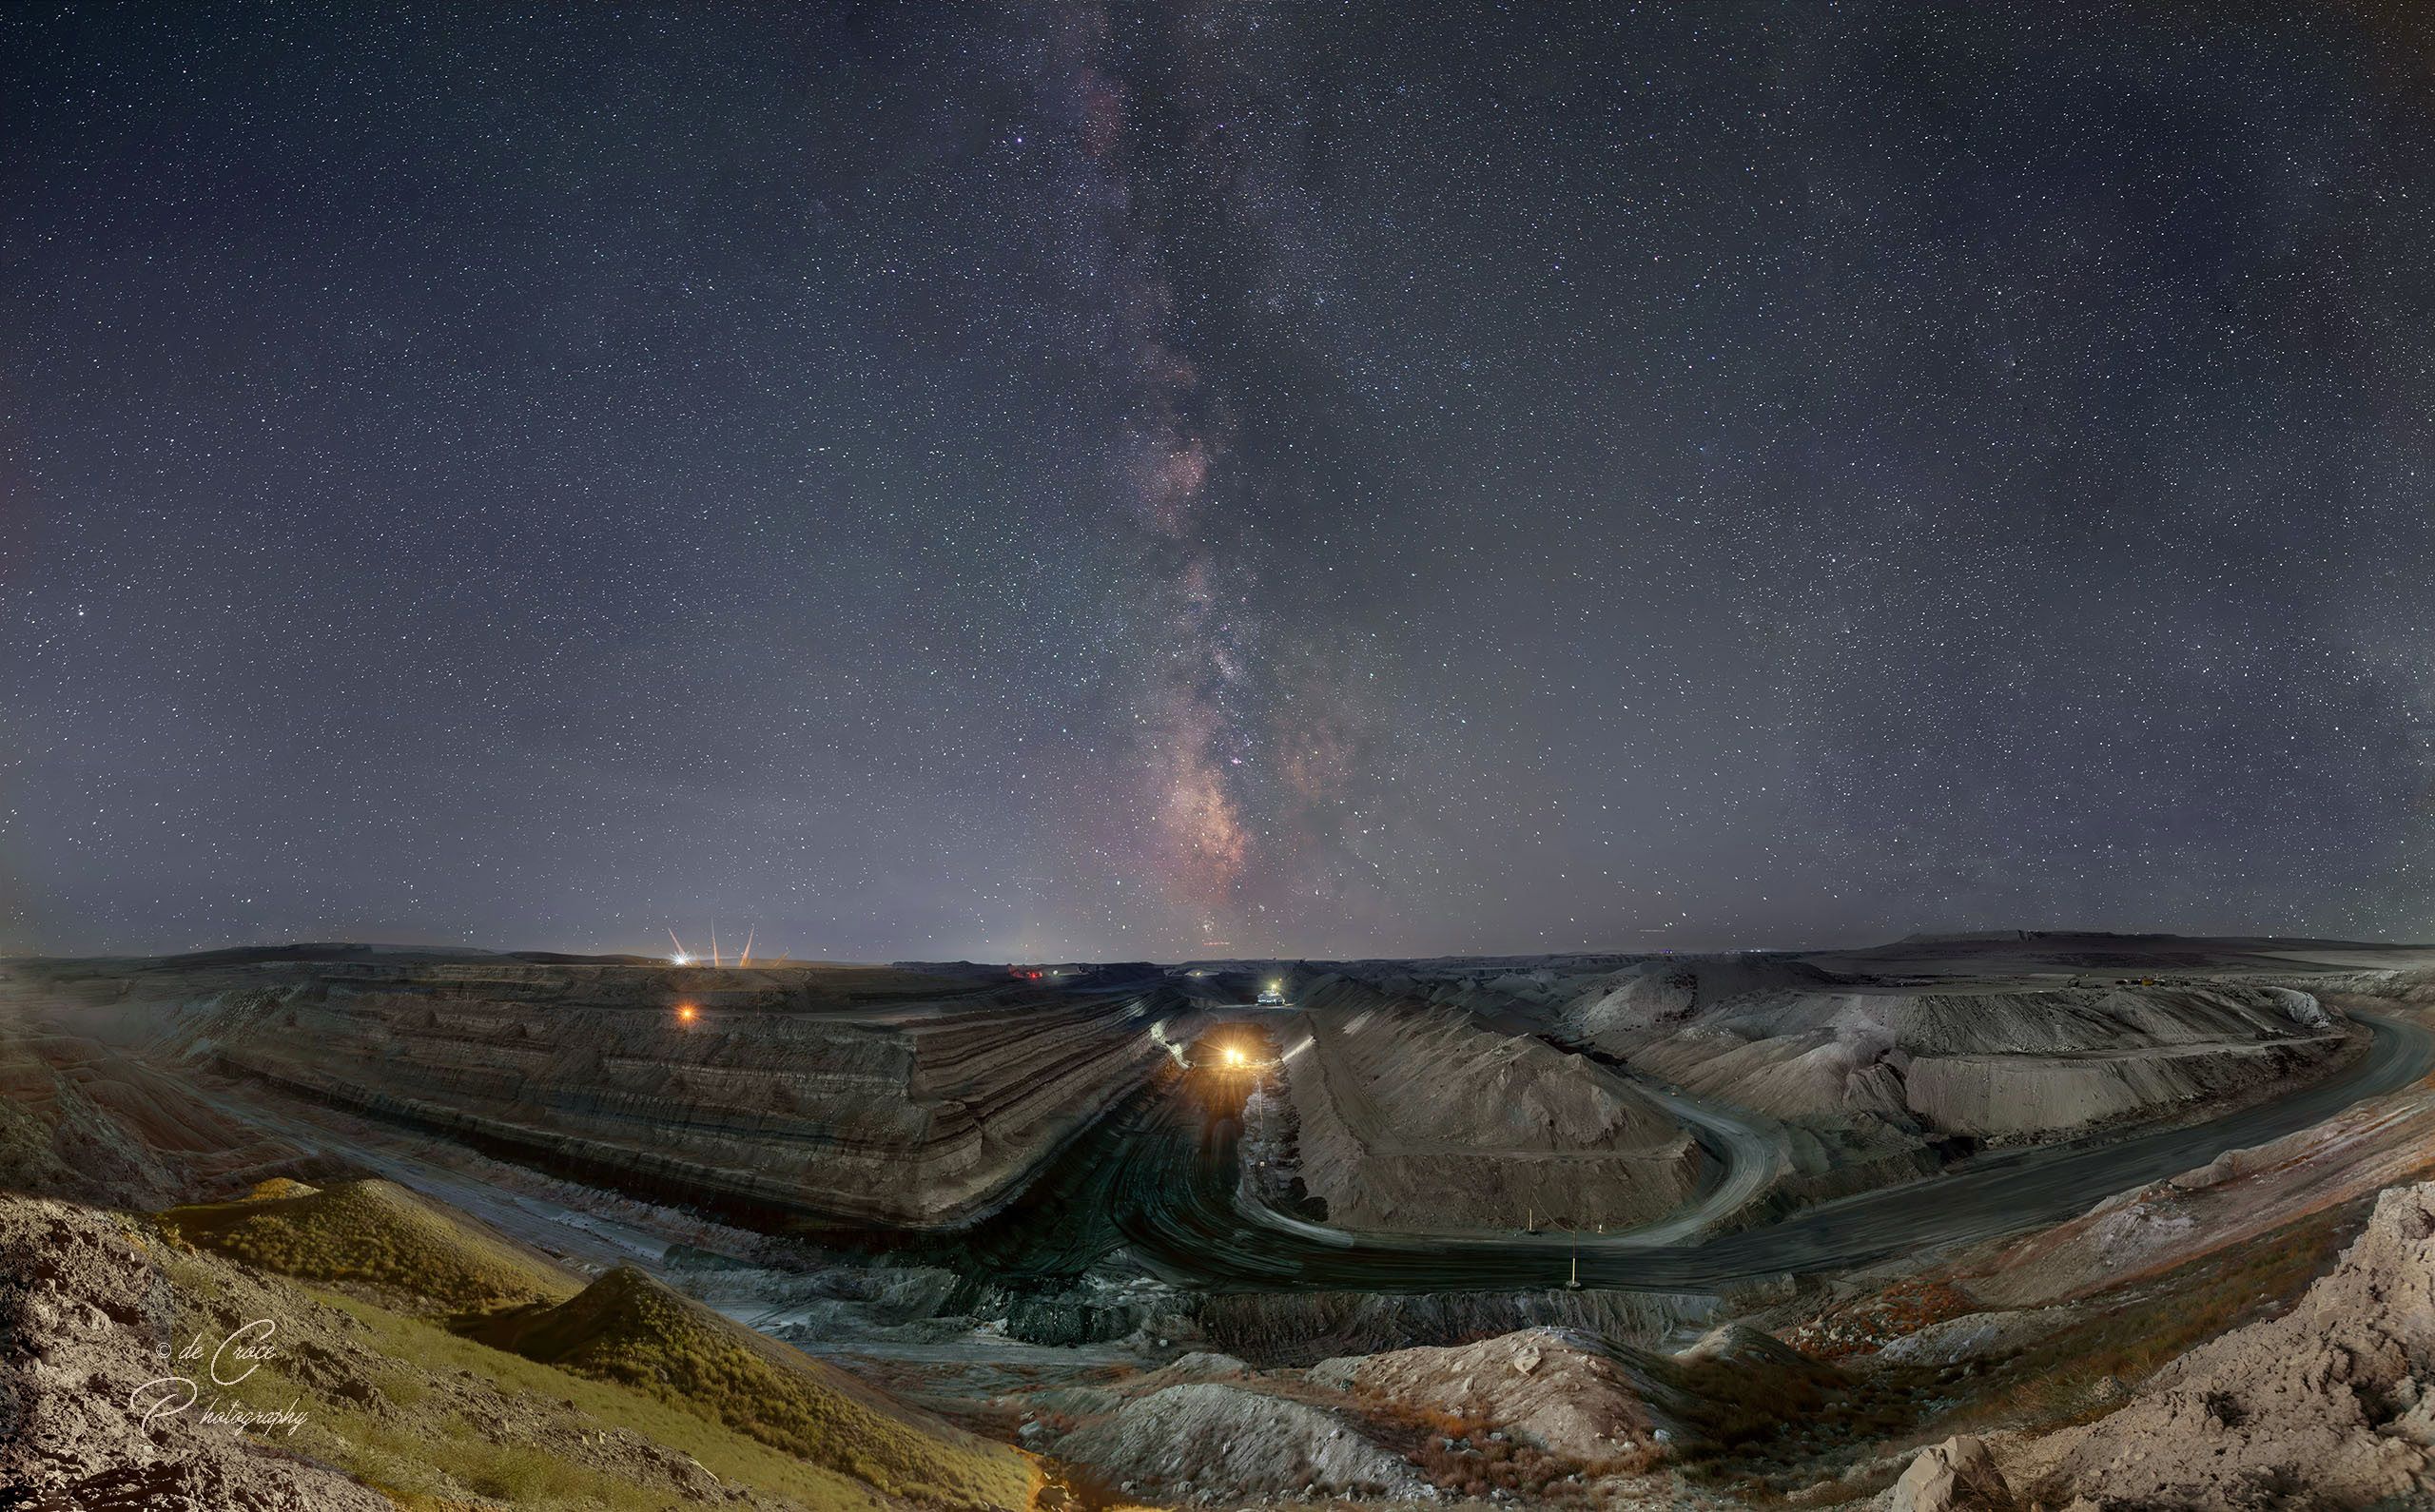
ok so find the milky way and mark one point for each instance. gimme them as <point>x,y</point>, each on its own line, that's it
<point>1105,481</point>
<point>1193,737</point>
<point>1244,739</point>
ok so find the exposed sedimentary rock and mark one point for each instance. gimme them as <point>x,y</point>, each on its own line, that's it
<point>1791,1042</point>
<point>1959,1475</point>
<point>1429,1119</point>
<point>893,1097</point>
<point>1299,1327</point>
<point>2028,1093</point>
<point>2331,1402</point>
<point>1554,1387</point>
<point>78,1120</point>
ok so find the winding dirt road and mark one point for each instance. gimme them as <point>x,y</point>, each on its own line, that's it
<point>1169,1189</point>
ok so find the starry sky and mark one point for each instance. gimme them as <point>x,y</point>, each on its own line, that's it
<point>1115,481</point>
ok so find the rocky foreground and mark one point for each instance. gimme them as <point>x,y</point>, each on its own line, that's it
<point>144,1365</point>
<point>2334,1402</point>
<point>566,1399</point>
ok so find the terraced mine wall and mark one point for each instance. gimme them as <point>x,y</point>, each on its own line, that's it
<point>2043,1063</point>
<point>776,1097</point>
<point>2011,1095</point>
<point>1299,1328</point>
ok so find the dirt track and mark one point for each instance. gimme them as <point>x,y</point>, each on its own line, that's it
<point>1170,1191</point>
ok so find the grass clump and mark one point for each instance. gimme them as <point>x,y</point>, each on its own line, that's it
<point>373,1233</point>
<point>629,1329</point>
<point>625,1352</point>
<point>402,1459</point>
<point>462,1420</point>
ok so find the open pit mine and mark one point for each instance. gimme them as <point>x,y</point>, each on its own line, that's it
<point>1997,1222</point>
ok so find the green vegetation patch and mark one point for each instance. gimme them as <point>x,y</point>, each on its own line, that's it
<point>373,1233</point>
<point>629,1329</point>
<point>450,1420</point>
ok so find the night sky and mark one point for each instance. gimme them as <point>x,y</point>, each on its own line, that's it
<point>1080,481</point>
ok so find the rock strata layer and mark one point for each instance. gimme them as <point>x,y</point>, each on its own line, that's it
<point>840,1097</point>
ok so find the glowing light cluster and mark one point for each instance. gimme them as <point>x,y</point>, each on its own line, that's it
<point>685,958</point>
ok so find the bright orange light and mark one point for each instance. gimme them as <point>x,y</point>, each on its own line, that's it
<point>686,1013</point>
<point>1234,1054</point>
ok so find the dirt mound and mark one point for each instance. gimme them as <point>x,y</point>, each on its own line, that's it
<point>1650,992</point>
<point>375,1235</point>
<point>2328,1404</point>
<point>2022,1094</point>
<point>1553,1388</point>
<point>1422,1119</point>
<point>1740,1346</point>
<point>629,1328</point>
<point>1207,1440</point>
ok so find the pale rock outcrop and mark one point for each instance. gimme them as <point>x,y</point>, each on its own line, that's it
<point>1553,1388</point>
<point>2331,1405</point>
<point>86,1328</point>
<point>1742,1345</point>
<point>1973,1336</point>
<point>1200,1365</point>
<point>1205,1440</point>
<point>1787,1039</point>
<point>1959,1475</point>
